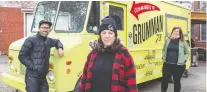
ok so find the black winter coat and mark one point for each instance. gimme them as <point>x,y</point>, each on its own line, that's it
<point>35,53</point>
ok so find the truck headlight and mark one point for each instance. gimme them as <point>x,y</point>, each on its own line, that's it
<point>11,66</point>
<point>50,75</point>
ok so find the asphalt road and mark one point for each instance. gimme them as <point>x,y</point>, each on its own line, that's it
<point>196,81</point>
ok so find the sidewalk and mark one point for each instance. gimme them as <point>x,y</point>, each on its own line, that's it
<point>4,68</point>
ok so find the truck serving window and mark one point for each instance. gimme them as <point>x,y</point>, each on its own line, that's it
<point>45,11</point>
<point>71,16</point>
<point>117,14</point>
<point>94,17</point>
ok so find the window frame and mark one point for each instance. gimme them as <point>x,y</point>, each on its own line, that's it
<point>120,18</point>
<point>200,37</point>
<point>201,4</point>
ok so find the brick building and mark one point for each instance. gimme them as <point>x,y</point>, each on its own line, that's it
<point>198,21</point>
<point>13,22</point>
<point>11,26</point>
<point>198,27</point>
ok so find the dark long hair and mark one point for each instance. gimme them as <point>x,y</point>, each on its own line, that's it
<point>180,33</point>
<point>114,47</point>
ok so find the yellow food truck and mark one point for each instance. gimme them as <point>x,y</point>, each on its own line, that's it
<point>142,27</point>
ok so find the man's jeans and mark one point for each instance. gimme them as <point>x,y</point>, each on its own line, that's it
<point>34,84</point>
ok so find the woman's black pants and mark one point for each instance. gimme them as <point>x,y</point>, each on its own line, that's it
<point>172,70</point>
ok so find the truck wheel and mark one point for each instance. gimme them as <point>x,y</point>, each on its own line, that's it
<point>76,85</point>
<point>196,63</point>
<point>16,90</point>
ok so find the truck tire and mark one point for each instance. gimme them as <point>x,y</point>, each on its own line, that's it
<point>16,90</point>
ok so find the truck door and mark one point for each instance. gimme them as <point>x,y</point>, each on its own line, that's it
<point>118,12</point>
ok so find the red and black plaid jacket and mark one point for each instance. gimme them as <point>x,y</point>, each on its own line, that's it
<point>123,73</point>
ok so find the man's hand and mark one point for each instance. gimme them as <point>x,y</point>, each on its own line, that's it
<point>60,52</point>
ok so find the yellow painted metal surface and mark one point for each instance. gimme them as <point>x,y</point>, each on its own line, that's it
<point>144,35</point>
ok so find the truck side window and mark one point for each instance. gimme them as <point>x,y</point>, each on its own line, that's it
<point>94,17</point>
<point>117,14</point>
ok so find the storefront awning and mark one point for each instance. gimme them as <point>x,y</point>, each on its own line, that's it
<point>198,17</point>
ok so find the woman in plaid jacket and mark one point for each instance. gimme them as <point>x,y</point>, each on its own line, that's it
<point>109,67</point>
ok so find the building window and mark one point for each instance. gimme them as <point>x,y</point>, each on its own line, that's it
<point>28,23</point>
<point>117,14</point>
<point>202,32</point>
<point>203,5</point>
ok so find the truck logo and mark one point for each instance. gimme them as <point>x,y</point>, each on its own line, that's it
<point>110,27</point>
<point>142,32</point>
<point>141,8</point>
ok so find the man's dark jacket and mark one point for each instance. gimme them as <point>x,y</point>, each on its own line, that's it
<point>35,53</point>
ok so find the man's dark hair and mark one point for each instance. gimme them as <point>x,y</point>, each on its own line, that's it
<point>45,22</point>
